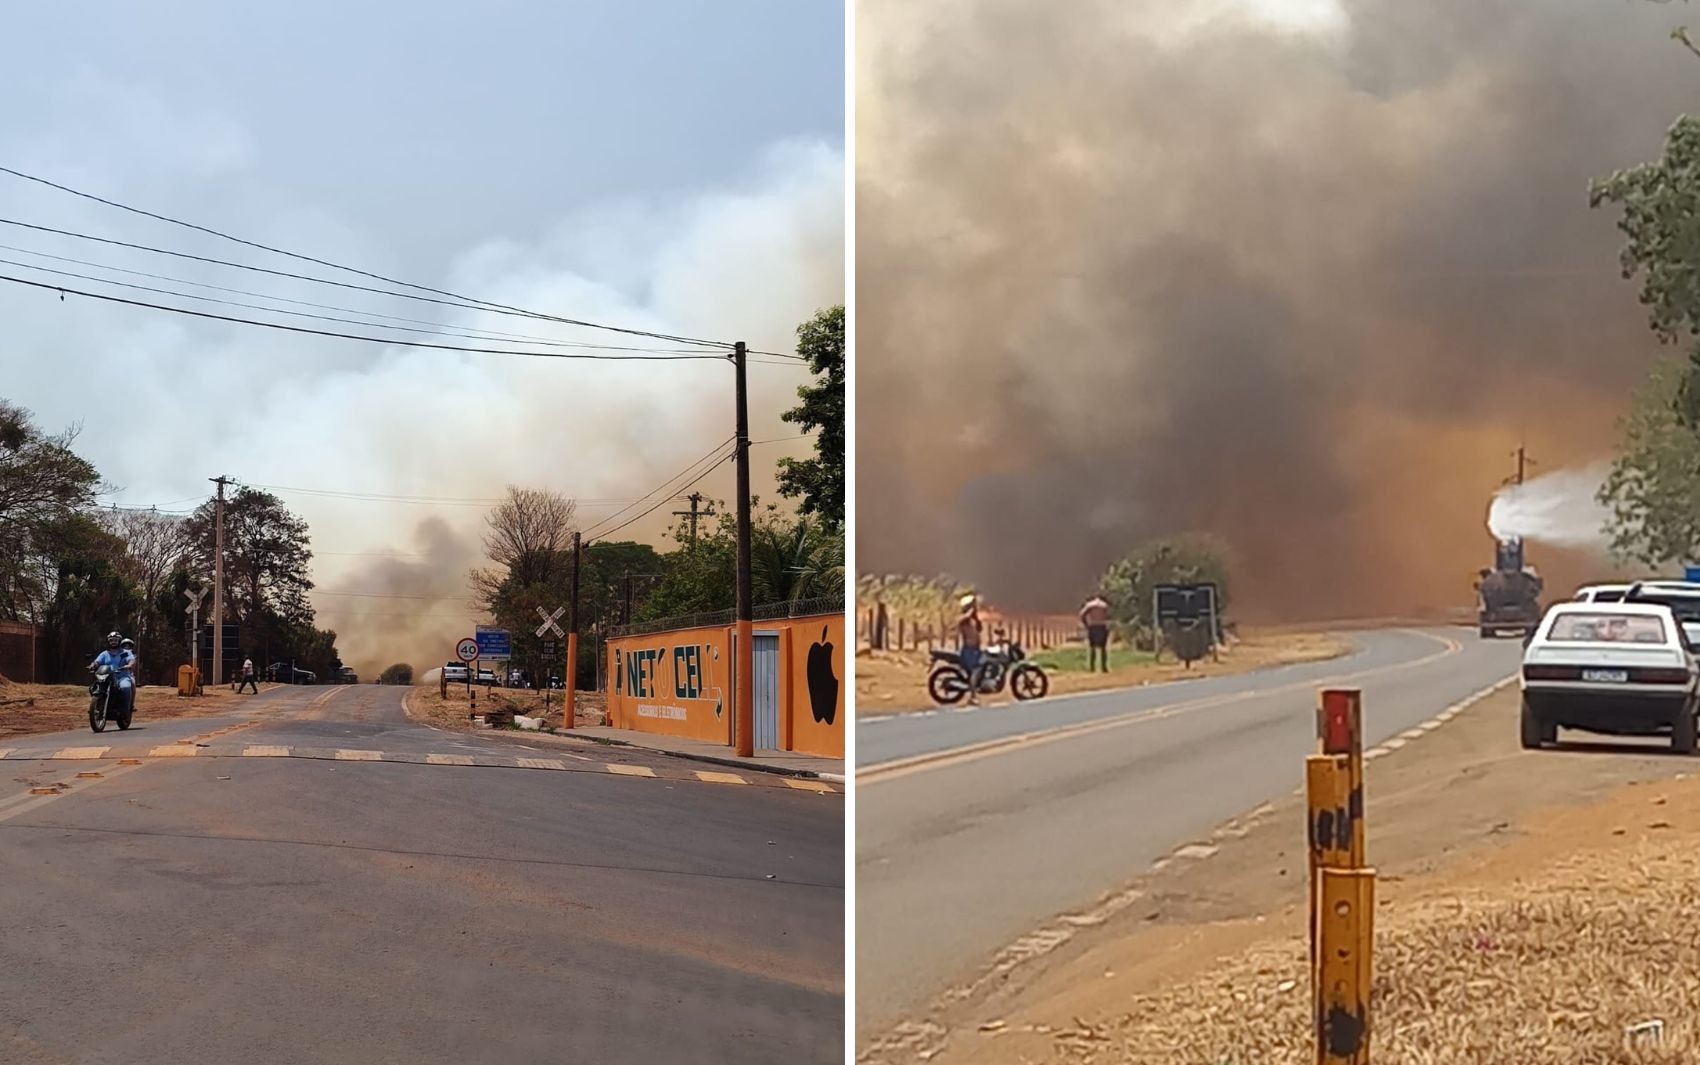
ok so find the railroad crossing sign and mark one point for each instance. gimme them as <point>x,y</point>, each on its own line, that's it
<point>467,649</point>
<point>549,620</point>
<point>194,595</point>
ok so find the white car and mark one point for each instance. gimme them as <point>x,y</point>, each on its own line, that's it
<point>1622,669</point>
<point>1683,597</point>
<point>455,671</point>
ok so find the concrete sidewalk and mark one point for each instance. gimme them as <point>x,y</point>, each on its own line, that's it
<point>790,763</point>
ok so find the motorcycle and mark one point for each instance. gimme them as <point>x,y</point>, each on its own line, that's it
<point>999,665</point>
<point>106,701</point>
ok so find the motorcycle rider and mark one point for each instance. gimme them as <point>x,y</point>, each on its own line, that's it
<point>120,657</point>
<point>968,629</point>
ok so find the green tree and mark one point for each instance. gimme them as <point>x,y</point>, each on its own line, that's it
<point>92,595</point>
<point>400,673</point>
<point>267,555</point>
<point>1130,583</point>
<point>791,558</point>
<point>1653,489</point>
<point>819,481</point>
<point>43,484</point>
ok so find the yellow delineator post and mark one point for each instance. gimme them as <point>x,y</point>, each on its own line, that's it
<point>1346,919</point>
<point>1342,890</point>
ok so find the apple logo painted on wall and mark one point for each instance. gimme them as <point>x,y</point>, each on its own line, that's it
<point>823,683</point>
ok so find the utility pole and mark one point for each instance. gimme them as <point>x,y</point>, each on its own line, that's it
<point>218,583</point>
<point>1523,462</point>
<point>743,658</point>
<point>569,676</point>
<point>696,501</point>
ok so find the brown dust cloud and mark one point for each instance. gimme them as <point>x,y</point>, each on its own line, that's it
<point>1124,273</point>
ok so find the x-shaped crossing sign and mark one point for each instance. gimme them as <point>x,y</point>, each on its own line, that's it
<point>194,595</point>
<point>549,620</point>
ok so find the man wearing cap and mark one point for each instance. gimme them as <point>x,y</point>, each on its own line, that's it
<point>968,630</point>
<point>1095,615</point>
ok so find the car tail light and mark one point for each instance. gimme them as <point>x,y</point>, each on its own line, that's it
<point>1659,676</point>
<point>1552,672</point>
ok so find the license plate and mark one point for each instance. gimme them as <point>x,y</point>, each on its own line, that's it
<point>1606,676</point>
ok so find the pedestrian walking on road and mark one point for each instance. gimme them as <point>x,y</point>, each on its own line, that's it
<point>248,680</point>
<point>1095,615</point>
<point>968,629</point>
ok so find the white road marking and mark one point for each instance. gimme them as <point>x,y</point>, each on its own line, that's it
<point>541,763</point>
<point>172,751</point>
<point>265,750</point>
<point>345,755</point>
<point>631,770</point>
<point>447,759</point>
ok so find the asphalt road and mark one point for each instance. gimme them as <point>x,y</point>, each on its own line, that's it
<point>210,909</point>
<point>974,827</point>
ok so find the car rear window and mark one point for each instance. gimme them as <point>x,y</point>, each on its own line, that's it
<point>1579,627</point>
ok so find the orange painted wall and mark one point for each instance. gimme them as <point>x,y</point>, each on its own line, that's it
<point>816,726</point>
<point>678,683</point>
<point>684,683</point>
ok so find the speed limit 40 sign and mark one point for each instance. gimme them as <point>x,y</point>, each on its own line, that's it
<point>467,649</point>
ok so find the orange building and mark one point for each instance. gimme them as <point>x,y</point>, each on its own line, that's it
<point>679,682</point>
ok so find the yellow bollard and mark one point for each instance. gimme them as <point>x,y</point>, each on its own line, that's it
<point>1340,730</point>
<point>1328,834</point>
<point>1345,926</point>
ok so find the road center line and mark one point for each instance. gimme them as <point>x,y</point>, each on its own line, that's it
<point>885,771</point>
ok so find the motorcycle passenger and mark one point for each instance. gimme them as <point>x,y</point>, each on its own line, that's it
<point>120,656</point>
<point>968,630</point>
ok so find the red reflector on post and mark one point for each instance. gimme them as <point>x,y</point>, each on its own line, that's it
<point>1337,722</point>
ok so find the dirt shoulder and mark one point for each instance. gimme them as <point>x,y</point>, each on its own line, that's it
<point>890,682</point>
<point>31,709</point>
<point>427,704</point>
<point>1531,907</point>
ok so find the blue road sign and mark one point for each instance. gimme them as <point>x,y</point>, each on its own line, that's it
<point>493,643</point>
<point>1691,573</point>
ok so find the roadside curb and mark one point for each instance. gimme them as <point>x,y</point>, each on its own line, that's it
<point>609,741</point>
<point>731,762</point>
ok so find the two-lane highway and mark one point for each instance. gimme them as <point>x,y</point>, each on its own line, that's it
<point>975,826</point>
<point>275,892</point>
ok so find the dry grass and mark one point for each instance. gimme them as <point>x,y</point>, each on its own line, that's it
<point>896,681</point>
<point>453,711</point>
<point>31,709</point>
<point>1554,970</point>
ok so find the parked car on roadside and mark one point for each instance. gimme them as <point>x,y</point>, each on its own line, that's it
<point>487,677</point>
<point>1619,669</point>
<point>454,672</point>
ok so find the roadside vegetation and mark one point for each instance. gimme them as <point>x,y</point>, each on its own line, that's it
<point>77,570</point>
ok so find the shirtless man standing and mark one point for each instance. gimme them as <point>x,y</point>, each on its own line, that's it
<point>1095,615</point>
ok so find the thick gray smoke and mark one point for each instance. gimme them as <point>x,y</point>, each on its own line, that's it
<point>1122,274</point>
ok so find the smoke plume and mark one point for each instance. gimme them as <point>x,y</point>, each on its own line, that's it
<point>749,257</point>
<point>1305,284</point>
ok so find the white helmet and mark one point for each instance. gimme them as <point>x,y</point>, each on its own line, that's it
<point>112,639</point>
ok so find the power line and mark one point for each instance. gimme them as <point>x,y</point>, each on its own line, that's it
<point>398,595</point>
<point>718,463</point>
<point>353,270</point>
<point>298,314</point>
<point>471,332</point>
<point>712,452</point>
<point>391,341</point>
